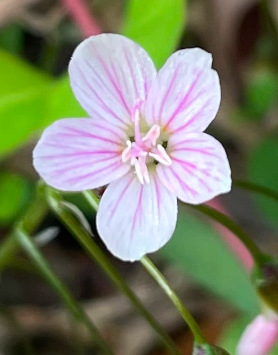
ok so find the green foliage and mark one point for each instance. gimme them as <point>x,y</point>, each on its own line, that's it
<point>261,93</point>
<point>198,251</point>
<point>11,38</point>
<point>262,169</point>
<point>156,25</point>
<point>62,102</point>
<point>23,94</point>
<point>14,193</point>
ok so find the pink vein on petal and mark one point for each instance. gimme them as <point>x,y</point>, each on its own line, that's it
<point>190,172</point>
<point>188,123</point>
<point>120,94</point>
<point>183,101</point>
<point>104,105</point>
<point>131,73</point>
<point>114,165</point>
<point>202,151</point>
<point>87,134</point>
<point>101,82</point>
<point>182,183</point>
<point>59,171</point>
<point>168,92</point>
<point>138,212</point>
<point>113,210</point>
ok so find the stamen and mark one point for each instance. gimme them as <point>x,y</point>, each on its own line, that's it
<point>126,154</point>
<point>135,116</point>
<point>152,135</point>
<point>138,151</point>
<point>161,155</point>
<point>142,170</point>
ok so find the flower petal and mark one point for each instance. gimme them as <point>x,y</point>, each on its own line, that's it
<point>76,154</point>
<point>135,219</point>
<point>200,169</point>
<point>109,73</point>
<point>186,94</point>
<point>259,337</point>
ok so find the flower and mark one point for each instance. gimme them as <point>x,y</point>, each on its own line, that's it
<point>144,138</point>
<point>259,337</point>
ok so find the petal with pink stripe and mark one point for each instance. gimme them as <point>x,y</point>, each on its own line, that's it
<point>76,154</point>
<point>109,74</point>
<point>186,94</point>
<point>200,169</point>
<point>135,219</point>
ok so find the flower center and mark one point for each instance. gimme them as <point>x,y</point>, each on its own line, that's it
<point>145,149</point>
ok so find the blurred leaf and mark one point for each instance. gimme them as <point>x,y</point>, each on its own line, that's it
<point>18,77</point>
<point>156,25</point>
<point>62,103</point>
<point>73,306</point>
<point>233,332</point>
<point>262,169</point>
<point>14,194</point>
<point>11,38</point>
<point>261,94</point>
<point>197,250</point>
<point>23,94</point>
<point>20,118</point>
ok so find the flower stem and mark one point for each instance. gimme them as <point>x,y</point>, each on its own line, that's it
<point>30,221</point>
<point>92,249</point>
<point>256,188</point>
<point>156,274</point>
<point>75,309</point>
<point>92,200</point>
<point>163,283</point>
<point>258,256</point>
<point>80,13</point>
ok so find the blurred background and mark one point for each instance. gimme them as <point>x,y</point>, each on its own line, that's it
<point>37,38</point>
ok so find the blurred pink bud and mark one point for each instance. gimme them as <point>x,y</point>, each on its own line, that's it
<point>259,337</point>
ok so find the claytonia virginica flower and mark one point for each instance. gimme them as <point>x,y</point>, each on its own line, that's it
<point>144,138</point>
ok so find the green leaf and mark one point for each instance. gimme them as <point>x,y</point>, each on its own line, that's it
<point>74,308</point>
<point>15,192</point>
<point>262,169</point>
<point>62,102</point>
<point>11,38</point>
<point>18,77</point>
<point>23,94</point>
<point>232,333</point>
<point>261,93</point>
<point>198,251</point>
<point>156,25</point>
<point>20,118</point>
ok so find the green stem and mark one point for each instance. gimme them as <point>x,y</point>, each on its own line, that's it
<point>92,249</point>
<point>258,256</point>
<point>92,200</point>
<point>30,221</point>
<point>155,273</point>
<point>8,248</point>
<point>163,283</point>
<point>75,309</point>
<point>250,186</point>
